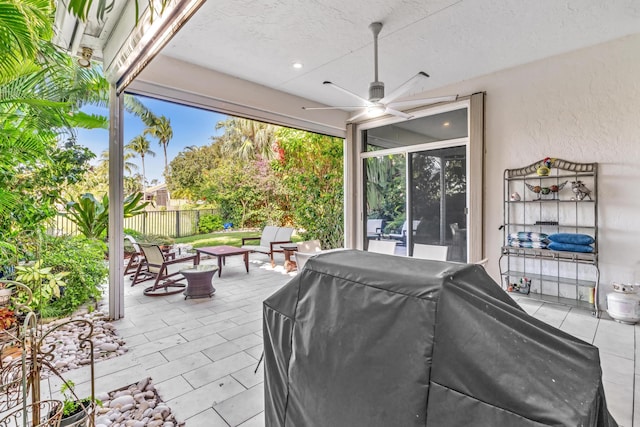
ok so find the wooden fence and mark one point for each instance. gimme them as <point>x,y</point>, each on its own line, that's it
<point>168,223</point>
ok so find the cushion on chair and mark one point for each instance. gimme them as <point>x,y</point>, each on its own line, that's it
<point>256,248</point>
<point>382,246</point>
<point>283,234</point>
<point>374,226</point>
<point>311,246</point>
<point>268,235</point>
<point>432,252</point>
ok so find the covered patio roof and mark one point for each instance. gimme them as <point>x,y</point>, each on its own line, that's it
<point>239,56</point>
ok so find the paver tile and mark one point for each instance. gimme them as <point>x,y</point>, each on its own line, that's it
<point>178,367</point>
<point>214,370</point>
<point>242,406</point>
<point>194,402</point>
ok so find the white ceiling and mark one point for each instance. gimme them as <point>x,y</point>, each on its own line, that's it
<point>451,40</point>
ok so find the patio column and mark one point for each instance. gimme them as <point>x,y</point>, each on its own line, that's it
<point>351,222</point>
<point>116,212</point>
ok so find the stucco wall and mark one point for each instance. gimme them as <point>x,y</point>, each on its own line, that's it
<point>583,106</point>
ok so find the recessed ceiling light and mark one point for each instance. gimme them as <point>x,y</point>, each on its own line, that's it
<point>297,65</point>
<point>446,124</point>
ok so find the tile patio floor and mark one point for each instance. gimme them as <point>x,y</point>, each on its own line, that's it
<point>201,353</point>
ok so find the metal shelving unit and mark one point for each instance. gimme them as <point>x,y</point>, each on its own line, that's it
<point>548,205</point>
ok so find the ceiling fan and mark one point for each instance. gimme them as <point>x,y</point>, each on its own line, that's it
<point>379,104</point>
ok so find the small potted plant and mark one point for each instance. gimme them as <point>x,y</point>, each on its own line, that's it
<point>8,324</point>
<point>74,412</point>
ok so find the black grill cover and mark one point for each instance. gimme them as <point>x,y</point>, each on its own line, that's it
<point>363,339</point>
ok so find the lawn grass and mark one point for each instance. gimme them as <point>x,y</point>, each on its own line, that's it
<point>230,238</point>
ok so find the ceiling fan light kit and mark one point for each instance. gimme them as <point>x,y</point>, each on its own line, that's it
<point>378,104</point>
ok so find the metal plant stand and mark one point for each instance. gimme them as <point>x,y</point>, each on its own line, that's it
<point>21,377</point>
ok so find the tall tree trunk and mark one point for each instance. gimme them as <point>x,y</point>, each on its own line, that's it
<point>144,178</point>
<point>166,167</point>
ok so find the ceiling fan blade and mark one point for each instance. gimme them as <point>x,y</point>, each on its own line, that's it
<point>404,87</point>
<point>348,108</point>
<point>348,92</point>
<point>398,113</point>
<point>423,101</point>
<point>357,116</point>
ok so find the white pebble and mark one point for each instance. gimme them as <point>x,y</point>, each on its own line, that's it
<point>103,421</point>
<point>109,346</point>
<point>119,402</point>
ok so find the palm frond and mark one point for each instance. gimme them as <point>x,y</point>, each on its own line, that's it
<point>22,24</point>
<point>134,106</point>
<point>89,121</point>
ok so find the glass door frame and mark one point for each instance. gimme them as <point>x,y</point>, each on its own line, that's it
<point>474,149</point>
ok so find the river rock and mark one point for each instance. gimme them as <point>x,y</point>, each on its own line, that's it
<point>121,401</point>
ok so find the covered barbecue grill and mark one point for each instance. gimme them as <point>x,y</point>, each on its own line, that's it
<point>363,339</point>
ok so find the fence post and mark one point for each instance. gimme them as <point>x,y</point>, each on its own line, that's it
<point>197,225</point>
<point>177,223</point>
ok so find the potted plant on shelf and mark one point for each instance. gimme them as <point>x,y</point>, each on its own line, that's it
<point>74,412</point>
<point>8,324</point>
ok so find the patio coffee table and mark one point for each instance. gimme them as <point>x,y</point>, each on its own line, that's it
<point>221,252</point>
<point>199,281</point>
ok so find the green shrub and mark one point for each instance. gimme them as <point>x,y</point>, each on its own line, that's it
<point>155,239</point>
<point>92,215</point>
<point>83,260</point>
<point>133,233</point>
<point>210,223</point>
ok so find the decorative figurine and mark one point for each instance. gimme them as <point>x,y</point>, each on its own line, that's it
<point>545,167</point>
<point>524,286</point>
<point>580,190</point>
<point>515,197</point>
<point>553,189</point>
<point>556,188</point>
<point>535,188</point>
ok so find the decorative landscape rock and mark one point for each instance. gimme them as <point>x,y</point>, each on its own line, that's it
<point>137,405</point>
<point>68,353</point>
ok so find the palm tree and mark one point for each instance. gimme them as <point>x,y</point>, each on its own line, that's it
<point>103,164</point>
<point>248,139</point>
<point>41,91</point>
<point>161,129</point>
<point>140,145</point>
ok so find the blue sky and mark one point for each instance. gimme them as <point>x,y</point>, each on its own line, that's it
<point>191,126</point>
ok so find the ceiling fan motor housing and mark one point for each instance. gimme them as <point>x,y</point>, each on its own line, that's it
<point>376,91</point>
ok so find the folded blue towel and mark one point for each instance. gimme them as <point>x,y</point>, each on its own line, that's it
<point>572,238</point>
<point>570,247</point>
<point>516,243</point>
<point>528,236</point>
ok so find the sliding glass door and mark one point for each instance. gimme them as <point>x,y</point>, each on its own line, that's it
<point>415,183</point>
<point>438,199</point>
<point>420,181</point>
